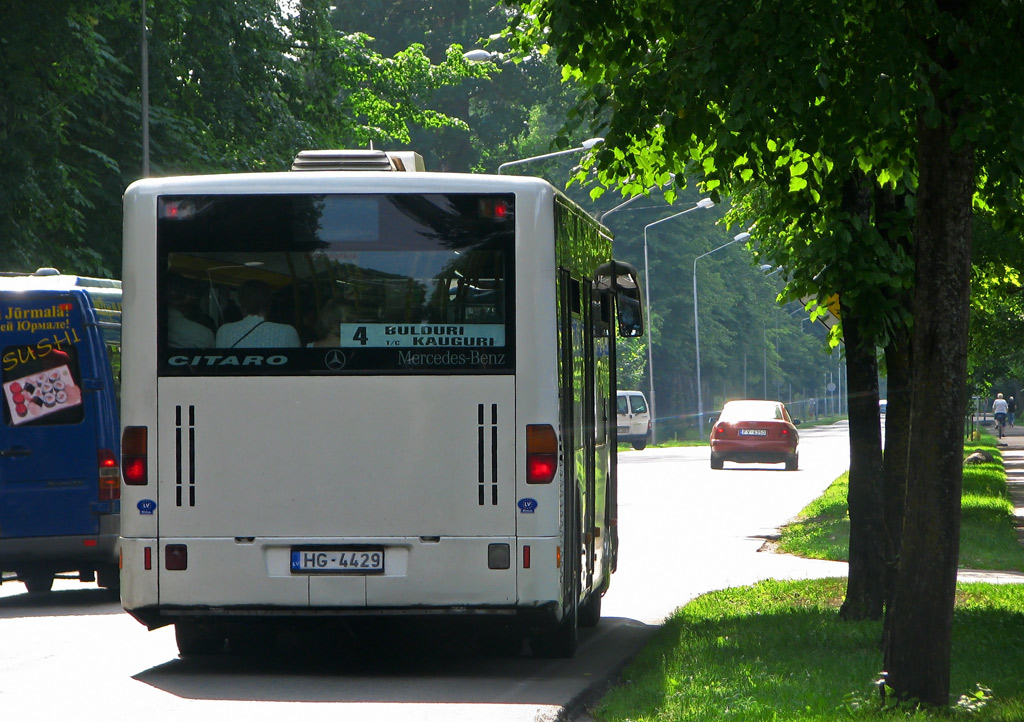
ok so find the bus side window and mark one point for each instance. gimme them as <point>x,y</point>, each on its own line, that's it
<point>114,356</point>
<point>602,313</point>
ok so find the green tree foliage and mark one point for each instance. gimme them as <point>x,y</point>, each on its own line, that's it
<point>233,86</point>
<point>62,85</point>
<point>996,354</point>
<point>514,114</point>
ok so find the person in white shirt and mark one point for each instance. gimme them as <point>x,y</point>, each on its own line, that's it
<point>254,330</point>
<point>999,409</point>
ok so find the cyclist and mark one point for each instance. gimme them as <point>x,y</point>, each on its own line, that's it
<point>999,411</point>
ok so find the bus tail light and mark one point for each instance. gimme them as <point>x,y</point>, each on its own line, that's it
<point>109,476</point>
<point>541,453</point>
<point>133,456</point>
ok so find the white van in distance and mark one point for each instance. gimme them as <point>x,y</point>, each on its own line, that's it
<point>634,419</point>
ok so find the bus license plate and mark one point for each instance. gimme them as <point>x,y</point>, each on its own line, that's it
<point>352,560</point>
<point>753,432</point>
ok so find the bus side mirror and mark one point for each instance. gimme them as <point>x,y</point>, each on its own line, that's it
<point>624,281</point>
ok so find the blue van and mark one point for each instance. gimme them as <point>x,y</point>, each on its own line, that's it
<point>60,340</point>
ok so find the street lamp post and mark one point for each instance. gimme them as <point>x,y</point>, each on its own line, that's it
<point>584,146</point>
<point>702,203</point>
<point>696,328</point>
<point>144,70</point>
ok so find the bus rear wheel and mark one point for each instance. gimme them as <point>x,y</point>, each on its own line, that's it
<point>558,641</point>
<point>198,639</point>
<point>590,612</point>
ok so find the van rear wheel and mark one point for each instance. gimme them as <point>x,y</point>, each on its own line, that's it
<point>109,577</point>
<point>37,582</point>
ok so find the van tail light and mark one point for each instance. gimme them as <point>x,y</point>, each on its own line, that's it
<point>133,456</point>
<point>541,453</point>
<point>109,475</point>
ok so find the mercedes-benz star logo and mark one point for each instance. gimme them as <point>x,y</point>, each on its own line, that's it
<point>334,360</point>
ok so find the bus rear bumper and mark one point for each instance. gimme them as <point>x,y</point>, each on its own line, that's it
<point>158,616</point>
<point>231,578</point>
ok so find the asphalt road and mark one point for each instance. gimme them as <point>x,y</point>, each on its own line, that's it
<point>684,530</point>
<point>687,530</point>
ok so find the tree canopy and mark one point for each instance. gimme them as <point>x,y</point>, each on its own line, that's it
<point>829,109</point>
<point>238,86</point>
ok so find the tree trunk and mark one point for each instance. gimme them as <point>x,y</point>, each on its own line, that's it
<point>895,459</point>
<point>917,649</point>
<point>865,581</point>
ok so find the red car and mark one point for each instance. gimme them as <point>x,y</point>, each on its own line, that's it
<point>754,431</point>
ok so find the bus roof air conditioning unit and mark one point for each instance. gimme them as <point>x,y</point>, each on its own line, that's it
<point>372,160</point>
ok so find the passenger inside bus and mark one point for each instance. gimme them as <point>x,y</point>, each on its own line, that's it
<point>183,327</point>
<point>254,330</point>
<point>334,313</point>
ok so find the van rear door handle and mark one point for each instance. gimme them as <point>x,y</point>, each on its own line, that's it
<point>16,451</point>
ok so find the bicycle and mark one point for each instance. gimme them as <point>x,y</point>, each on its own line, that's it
<point>1000,423</point>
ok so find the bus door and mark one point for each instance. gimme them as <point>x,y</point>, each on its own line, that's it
<point>48,438</point>
<point>590,396</point>
<point>575,339</point>
<point>603,386</point>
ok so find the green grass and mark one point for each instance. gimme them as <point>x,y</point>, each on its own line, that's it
<point>822,529</point>
<point>987,536</point>
<point>778,651</point>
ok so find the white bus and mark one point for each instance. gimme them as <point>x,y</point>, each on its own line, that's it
<point>352,393</point>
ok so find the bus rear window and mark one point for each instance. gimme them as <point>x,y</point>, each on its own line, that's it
<point>304,284</point>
